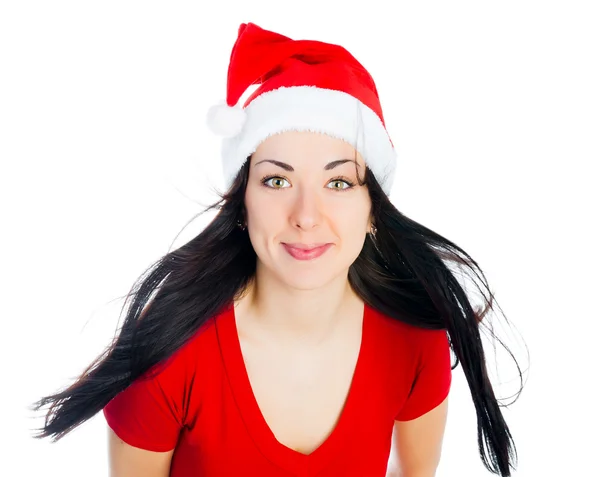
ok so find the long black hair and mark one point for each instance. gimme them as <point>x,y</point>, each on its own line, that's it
<point>404,271</point>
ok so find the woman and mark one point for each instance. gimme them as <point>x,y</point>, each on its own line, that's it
<point>308,324</point>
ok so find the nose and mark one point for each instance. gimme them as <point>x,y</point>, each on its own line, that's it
<point>306,210</point>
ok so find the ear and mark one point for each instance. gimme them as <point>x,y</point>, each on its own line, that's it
<point>370,225</point>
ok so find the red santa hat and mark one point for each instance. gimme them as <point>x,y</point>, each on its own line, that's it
<point>304,85</point>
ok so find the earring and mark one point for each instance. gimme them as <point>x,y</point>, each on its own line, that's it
<point>373,231</point>
<point>239,224</point>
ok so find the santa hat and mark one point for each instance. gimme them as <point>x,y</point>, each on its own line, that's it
<point>304,85</point>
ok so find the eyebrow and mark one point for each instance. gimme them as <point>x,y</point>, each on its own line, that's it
<point>289,168</point>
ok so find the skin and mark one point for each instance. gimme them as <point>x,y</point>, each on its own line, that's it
<point>306,205</point>
<point>417,444</point>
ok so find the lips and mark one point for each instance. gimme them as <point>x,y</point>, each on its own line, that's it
<point>306,251</point>
<point>302,246</point>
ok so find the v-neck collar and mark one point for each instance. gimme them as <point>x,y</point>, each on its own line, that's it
<point>289,459</point>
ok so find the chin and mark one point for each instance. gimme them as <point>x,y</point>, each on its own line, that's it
<point>307,284</point>
<point>309,278</point>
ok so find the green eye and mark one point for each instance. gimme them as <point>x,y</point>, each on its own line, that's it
<point>340,181</point>
<point>280,180</point>
<point>273,178</point>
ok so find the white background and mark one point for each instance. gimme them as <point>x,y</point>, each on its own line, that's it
<point>495,111</point>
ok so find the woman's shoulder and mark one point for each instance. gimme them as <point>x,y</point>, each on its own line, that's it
<point>204,341</point>
<point>194,354</point>
<point>400,335</point>
<point>393,325</point>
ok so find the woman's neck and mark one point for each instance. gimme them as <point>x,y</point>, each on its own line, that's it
<point>294,316</point>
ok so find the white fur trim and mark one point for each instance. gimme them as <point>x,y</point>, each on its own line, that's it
<point>225,120</point>
<point>308,108</point>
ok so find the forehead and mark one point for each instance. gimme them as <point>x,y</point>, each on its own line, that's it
<point>306,148</point>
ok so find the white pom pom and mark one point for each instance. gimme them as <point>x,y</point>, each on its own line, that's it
<point>225,120</point>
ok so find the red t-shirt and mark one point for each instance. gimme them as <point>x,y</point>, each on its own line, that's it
<point>200,403</point>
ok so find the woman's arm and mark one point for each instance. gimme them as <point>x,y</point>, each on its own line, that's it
<point>417,444</point>
<point>129,461</point>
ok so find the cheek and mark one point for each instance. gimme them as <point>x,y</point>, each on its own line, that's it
<point>354,234</point>
<point>256,203</point>
<point>265,217</point>
<point>350,216</point>
<point>265,213</point>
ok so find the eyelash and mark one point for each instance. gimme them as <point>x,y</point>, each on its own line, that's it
<point>333,179</point>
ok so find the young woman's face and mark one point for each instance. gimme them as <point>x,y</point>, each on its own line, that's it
<point>311,197</point>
